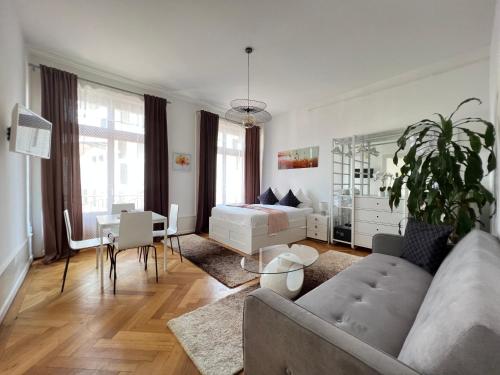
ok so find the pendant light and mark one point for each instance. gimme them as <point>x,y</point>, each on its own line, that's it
<point>248,113</point>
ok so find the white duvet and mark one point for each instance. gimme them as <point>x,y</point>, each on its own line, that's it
<point>255,218</point>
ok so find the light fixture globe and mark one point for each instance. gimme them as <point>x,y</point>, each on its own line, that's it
<point>248,113</point>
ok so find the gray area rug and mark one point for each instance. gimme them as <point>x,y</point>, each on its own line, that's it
<point>214,259</point>
<point>212,335</point>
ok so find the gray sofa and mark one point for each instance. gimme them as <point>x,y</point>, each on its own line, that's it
<point>384,315</point>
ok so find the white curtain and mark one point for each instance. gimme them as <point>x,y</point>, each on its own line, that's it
<point>111,126</point>
<point>230,163</point>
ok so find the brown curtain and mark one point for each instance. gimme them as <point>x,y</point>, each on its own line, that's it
<point>252,164</point>
<point>155,155</point>
<point>61,186</point>
<point>209,129</point>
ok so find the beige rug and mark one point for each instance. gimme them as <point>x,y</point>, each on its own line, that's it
<point>212,335</point>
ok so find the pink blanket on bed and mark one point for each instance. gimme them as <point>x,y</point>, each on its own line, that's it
<point>277,220</point>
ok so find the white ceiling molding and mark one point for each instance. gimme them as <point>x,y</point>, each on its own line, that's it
<point>456,62</point>
<point>86,71</point>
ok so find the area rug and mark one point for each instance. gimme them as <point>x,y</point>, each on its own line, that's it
<point>217,261</point>
<point>212,335</point>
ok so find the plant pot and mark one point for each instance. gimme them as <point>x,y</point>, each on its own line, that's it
<point>381,194</point>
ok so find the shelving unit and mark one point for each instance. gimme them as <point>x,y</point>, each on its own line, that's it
<point>341,210</point>
<point>356,212</point>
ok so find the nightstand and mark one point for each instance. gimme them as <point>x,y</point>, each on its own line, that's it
<point>317,227</point>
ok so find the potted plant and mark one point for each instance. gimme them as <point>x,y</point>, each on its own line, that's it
<point>443,170</point>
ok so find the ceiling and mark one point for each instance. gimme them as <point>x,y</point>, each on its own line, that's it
<point>305,51</point>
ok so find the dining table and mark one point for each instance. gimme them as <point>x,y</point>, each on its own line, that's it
<point>106,222</point>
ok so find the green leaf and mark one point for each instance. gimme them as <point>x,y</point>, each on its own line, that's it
<point>474,170</point>
<point>458,152</point>
<point>492,162</point>
<point>489,136</point>
<point>465,222</point>
<point>462,103</point>
<point>447,129</point>
<point>475,142</point>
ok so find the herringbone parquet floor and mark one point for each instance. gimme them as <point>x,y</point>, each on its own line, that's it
<point>84,331</point>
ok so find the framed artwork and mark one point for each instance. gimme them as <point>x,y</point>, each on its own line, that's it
<point>299,158</point>
<point>182,161</point>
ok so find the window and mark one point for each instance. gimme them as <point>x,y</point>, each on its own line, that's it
<point>230,163</point>
<point>111,125</point>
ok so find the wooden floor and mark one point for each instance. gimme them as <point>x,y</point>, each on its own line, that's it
<point>84,331</point>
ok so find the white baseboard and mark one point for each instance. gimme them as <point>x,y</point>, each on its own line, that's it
<point>14,289</point>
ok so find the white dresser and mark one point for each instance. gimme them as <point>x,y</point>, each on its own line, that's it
<point>317,227</point>
<point>373,215</point>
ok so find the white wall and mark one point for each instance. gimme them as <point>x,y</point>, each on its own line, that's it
<point>386,105</point>
<point>14,244</point>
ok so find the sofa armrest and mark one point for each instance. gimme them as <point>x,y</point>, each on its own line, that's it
<point>389,244</point>
<point>280,337</point>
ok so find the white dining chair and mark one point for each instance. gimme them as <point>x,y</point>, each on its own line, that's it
<point>117,208</point>
<point>135,232</point>
<point>172,230</point>
<point>77,245</point>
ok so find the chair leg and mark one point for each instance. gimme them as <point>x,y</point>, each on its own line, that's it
<point>179,244</point>
<point>156,264</point>
<point>111,261</point>
<point>114,268</point>
<point>146,256</point>
<point>171,246</point>
<point>65,270</point>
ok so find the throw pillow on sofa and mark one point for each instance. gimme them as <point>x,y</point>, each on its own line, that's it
<point>425,245</point>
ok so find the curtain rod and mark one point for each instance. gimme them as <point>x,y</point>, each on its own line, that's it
<point>35,66</point>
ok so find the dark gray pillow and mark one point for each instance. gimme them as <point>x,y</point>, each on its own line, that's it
<point>289,200</point>
<point>268,197</point>
<point>425,245</point>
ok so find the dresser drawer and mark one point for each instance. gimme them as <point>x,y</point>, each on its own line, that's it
<point>323,236</point>
<point>318,231</point>
<point>317,220</point>
<point>374,203</point>
<point>382,217</point>
<point>374,228</point>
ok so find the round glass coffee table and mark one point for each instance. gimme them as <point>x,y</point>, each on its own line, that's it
<point>281,267</point>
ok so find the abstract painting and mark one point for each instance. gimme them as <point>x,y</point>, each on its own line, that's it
<point>300,158</point>
<point>182,161</point>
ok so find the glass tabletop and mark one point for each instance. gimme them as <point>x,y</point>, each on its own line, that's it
<point>280,259</point>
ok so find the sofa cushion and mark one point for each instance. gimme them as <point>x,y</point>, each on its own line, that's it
<point>457,329</point>
<point>376,299</point>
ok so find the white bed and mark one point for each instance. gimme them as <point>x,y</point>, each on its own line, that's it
<point>247,230</point>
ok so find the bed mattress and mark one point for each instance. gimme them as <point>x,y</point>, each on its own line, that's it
<point>254,218</point>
